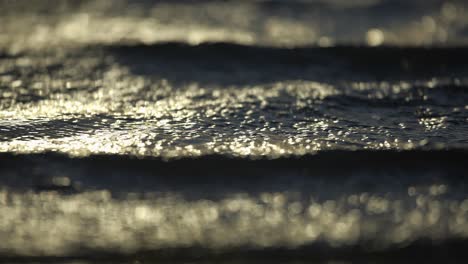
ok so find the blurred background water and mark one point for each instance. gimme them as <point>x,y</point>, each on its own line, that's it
<point>326,129</point>
<point>278,23</point>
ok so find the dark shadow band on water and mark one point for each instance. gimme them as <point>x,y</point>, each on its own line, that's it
<point>328,173</point>
<point>235,64</point>
<point>421,251</point>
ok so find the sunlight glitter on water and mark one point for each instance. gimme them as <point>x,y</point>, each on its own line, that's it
<point>88,102</point>
<point>249,22</point>
<point>97,221</point>
<point>140,83</point>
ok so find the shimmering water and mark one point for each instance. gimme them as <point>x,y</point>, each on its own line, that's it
<point>252,22</point>
<point>174,100</point>
<point>320,207</point>
<point>335,127</point>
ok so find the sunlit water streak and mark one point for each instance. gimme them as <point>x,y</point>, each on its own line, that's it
<point>57,206</point>
<point>280,23</point>
<point>53,224</point>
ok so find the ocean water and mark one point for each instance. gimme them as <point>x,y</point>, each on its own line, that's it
<point>233,130</point>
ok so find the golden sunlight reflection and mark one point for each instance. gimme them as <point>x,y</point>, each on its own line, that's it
<point>375,37</point>
<point>153,221</point>
<point>319,23</point>
<point>113,111</point>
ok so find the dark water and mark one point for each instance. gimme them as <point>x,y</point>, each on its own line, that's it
<point>241,131</point>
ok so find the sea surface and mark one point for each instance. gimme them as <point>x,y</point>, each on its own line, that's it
<point>233,131</point>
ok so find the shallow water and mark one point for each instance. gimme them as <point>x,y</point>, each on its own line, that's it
<point>118,208</point>
<point>310,129</point>
<point>253,22</point>
<point>173,100</point>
